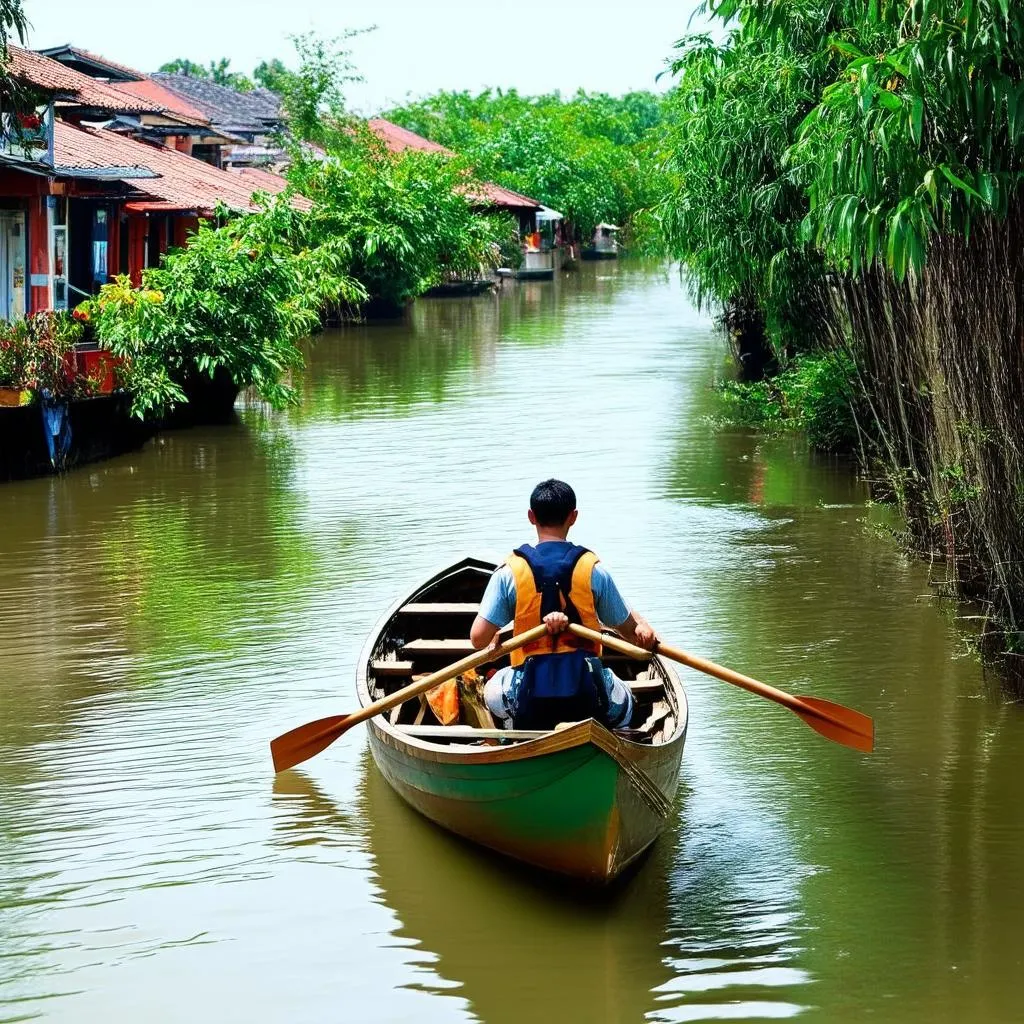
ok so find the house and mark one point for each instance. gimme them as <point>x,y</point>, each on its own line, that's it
<point>171,117</point>
<point>254,120</point>
<point>96,180</point>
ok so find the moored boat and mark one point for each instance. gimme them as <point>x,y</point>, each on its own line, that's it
<point>580,800</point>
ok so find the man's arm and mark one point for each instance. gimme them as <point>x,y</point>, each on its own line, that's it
<point>637,630</point>
<point>482,633</point>
<point>613,611</point>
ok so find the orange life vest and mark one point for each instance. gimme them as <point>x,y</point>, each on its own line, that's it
<point>529,601</point>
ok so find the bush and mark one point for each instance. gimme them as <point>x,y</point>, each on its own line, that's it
<point>37,354</point>
<point>237,298</point>
<point>407,219</point>
<point>815,393</point>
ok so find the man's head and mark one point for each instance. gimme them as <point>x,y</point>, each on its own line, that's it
<point>553,506</point>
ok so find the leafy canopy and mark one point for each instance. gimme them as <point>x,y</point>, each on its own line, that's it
<point>588,157</point>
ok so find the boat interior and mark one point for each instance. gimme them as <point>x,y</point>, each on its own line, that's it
<point>431,630</point>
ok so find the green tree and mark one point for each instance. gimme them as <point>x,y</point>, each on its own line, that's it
<point>590,157</point>
<point>237,299</point>
<point>12,22</point>
<point>407,219</point>
<point>218,71</point>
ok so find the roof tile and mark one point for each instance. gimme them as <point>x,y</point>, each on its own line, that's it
<point>183,183</point>
<point>53,76</point>
<point>250,112</point>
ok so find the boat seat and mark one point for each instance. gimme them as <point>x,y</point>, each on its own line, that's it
<point>461,647</point>
<point>439,608</point>
<point>466,732</point>
<point>391,668</point>
<point>644,687</point>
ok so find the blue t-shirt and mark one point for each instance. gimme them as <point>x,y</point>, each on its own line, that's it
<point>499,601</point>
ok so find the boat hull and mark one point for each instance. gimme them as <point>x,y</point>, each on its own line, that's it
<point>575,811</point>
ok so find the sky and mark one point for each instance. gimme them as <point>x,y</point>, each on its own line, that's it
<point>418,46</point>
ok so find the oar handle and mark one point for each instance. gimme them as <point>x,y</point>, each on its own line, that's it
<point>442,675</point>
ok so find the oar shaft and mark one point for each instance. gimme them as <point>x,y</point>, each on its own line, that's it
<point>614,642</point>
<point>710,668</point>
<point>442,675</point>
<point>727,675</point>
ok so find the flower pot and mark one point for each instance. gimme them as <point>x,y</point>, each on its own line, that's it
<point>13,398</point>
<point>99,365</point>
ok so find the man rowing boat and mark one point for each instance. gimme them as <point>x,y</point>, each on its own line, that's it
<point>559,678</point>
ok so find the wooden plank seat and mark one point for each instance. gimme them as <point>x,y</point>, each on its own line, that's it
<point>391,668</point>
<point>439,608</point>
<point>467,732</point>
<point>460,647</point>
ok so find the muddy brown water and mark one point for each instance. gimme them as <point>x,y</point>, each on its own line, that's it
<point>163,615</point>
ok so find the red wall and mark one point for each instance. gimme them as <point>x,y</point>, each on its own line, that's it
<point>183,227</point>
<point>136,247</point>
<point>38,251</point>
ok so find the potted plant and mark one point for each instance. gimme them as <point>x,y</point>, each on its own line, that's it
<point>14,389</point>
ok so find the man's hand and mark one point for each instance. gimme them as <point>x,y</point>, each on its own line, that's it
<point>645,635</point>
<point>556,622</point>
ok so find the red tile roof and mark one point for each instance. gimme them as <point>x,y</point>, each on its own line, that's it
<point>184,183</point>
<point>259,177</point>
<point>167,101</point>
<point>490,194</point>
<point>55,77</point>
<point>399,139</point>
<point>97,59</point>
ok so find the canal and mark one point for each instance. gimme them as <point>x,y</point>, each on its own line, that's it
<point>164,614</point>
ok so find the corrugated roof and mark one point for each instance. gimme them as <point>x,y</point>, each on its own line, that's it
<point>399,139</point>
<point>183,182</point>
<point>53,76</point>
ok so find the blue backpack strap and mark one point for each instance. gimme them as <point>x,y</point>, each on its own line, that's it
<point>553,578</point>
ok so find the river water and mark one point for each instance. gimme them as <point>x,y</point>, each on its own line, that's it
<point>164,614</point>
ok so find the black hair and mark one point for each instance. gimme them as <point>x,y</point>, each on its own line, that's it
<point>551,502</point>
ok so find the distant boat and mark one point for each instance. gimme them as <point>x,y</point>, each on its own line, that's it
<point>604,246</point>
<point>582,800</point>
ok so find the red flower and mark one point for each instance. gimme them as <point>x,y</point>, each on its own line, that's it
<point>81,314</point>
<point>29,120</point>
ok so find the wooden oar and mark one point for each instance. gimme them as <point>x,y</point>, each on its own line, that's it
<point>838,723</point>
<point>298,745</point>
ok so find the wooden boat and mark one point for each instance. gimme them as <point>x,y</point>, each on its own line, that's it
<point>580,800</point>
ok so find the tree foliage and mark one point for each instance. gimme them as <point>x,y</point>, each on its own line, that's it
<point>217,71</point>
<point>406,219</point>
<point>237,298</point>
<point>590,157</point>
<point>828,136</point>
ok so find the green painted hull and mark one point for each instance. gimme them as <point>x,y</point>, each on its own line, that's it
<point>570,811</point>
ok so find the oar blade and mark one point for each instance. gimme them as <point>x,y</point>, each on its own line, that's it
<point>298,745</point>
<point>838,723</point>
